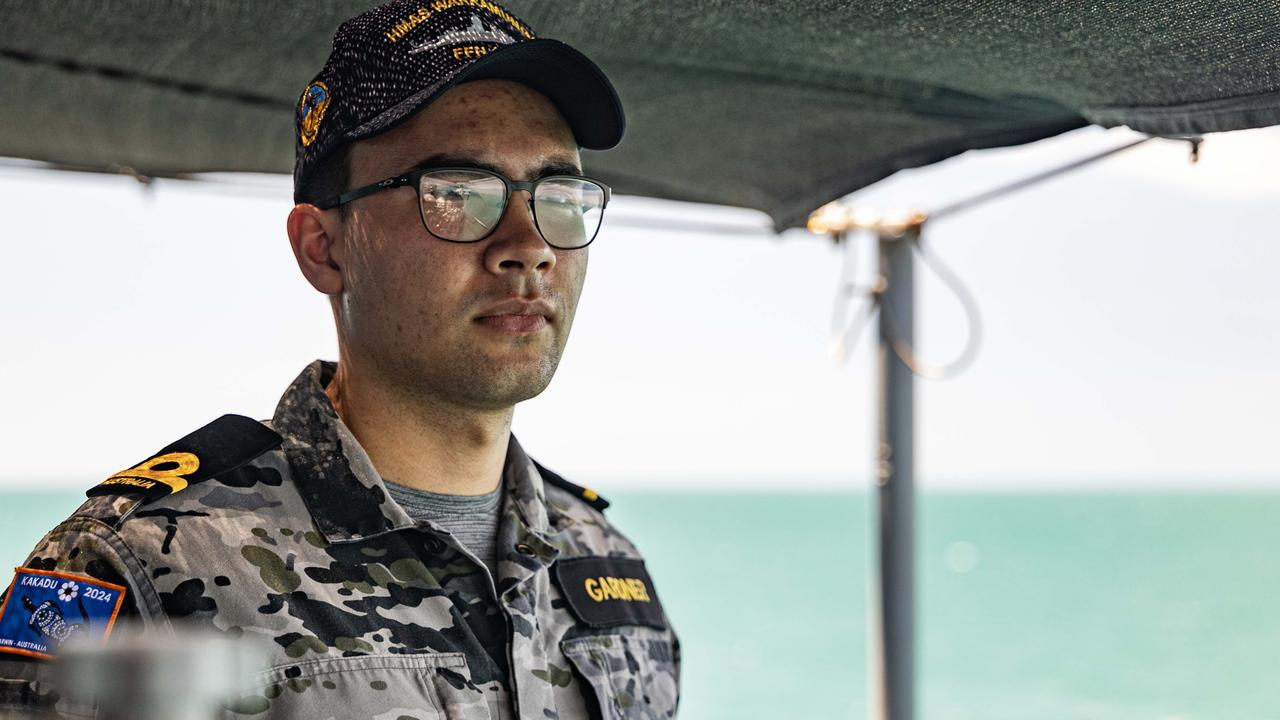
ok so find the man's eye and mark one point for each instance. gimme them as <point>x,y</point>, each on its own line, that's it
<point>562,197</point>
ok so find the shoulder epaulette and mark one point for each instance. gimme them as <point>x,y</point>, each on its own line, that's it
<point>589,496</point>
<point>221,446</point>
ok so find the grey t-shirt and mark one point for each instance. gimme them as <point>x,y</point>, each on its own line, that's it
<point>472,519</point>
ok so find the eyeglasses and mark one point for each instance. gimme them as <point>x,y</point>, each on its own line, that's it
<point>465,205</point>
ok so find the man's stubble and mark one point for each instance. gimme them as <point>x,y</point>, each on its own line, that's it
<point>462,373</point>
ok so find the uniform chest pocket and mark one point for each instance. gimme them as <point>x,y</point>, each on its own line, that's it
<point>634,674</point>
<point>421,686</point>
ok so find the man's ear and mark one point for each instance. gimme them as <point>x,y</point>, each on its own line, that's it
<point>317,239</point>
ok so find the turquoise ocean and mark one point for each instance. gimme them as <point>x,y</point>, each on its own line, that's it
<point>1038,605</point>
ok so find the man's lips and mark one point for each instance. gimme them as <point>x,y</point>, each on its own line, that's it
<point>517,316</point>
<point>514,323</point>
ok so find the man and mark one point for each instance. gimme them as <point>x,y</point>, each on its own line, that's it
<point>384,532</point>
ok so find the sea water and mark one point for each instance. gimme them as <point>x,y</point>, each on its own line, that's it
<point>1133,606</point>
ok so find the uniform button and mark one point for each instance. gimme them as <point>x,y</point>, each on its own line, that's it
<point>524,549</point>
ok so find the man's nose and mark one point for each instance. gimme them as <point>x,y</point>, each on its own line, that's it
<point>516,245</point>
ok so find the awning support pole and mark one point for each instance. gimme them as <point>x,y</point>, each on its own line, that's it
<point>891,687</point>
<point>893,671</point>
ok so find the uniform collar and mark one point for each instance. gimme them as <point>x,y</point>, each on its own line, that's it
<point>343,492</point>
<point>525,491</point>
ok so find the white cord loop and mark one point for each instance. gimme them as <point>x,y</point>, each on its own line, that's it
<point>848,330</point>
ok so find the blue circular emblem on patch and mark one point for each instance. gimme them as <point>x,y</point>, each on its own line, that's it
<point>315,100</point>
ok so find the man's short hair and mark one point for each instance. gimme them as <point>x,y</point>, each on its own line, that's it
<point>331,178</point>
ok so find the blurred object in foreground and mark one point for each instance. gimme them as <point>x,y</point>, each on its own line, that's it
<point>189,675</point>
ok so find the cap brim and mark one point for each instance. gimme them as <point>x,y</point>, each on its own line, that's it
<point>577,86</point>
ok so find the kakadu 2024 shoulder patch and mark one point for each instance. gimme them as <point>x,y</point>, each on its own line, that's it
<point>608,591</point>
<point>45,609</point>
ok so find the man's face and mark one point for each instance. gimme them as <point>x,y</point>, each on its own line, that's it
<point>479,325</point>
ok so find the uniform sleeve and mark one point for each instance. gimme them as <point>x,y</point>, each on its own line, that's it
<point>88,548</point>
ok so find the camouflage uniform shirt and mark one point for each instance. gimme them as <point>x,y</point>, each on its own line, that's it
<point>368,613</point>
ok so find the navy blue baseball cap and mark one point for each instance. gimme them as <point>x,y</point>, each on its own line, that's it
<point>395,59</point>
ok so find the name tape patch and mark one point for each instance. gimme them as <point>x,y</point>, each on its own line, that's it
<point>605,592</point>
<point>44,609</point>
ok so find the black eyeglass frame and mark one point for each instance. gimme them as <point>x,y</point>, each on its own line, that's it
<point>413,179</point>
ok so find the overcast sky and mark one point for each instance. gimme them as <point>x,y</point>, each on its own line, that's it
<point>1130,315</point>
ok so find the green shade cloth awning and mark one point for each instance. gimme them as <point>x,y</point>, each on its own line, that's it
<point>780,106</point>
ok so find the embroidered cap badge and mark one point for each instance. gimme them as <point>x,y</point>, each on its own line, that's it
<point>315,100</point>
